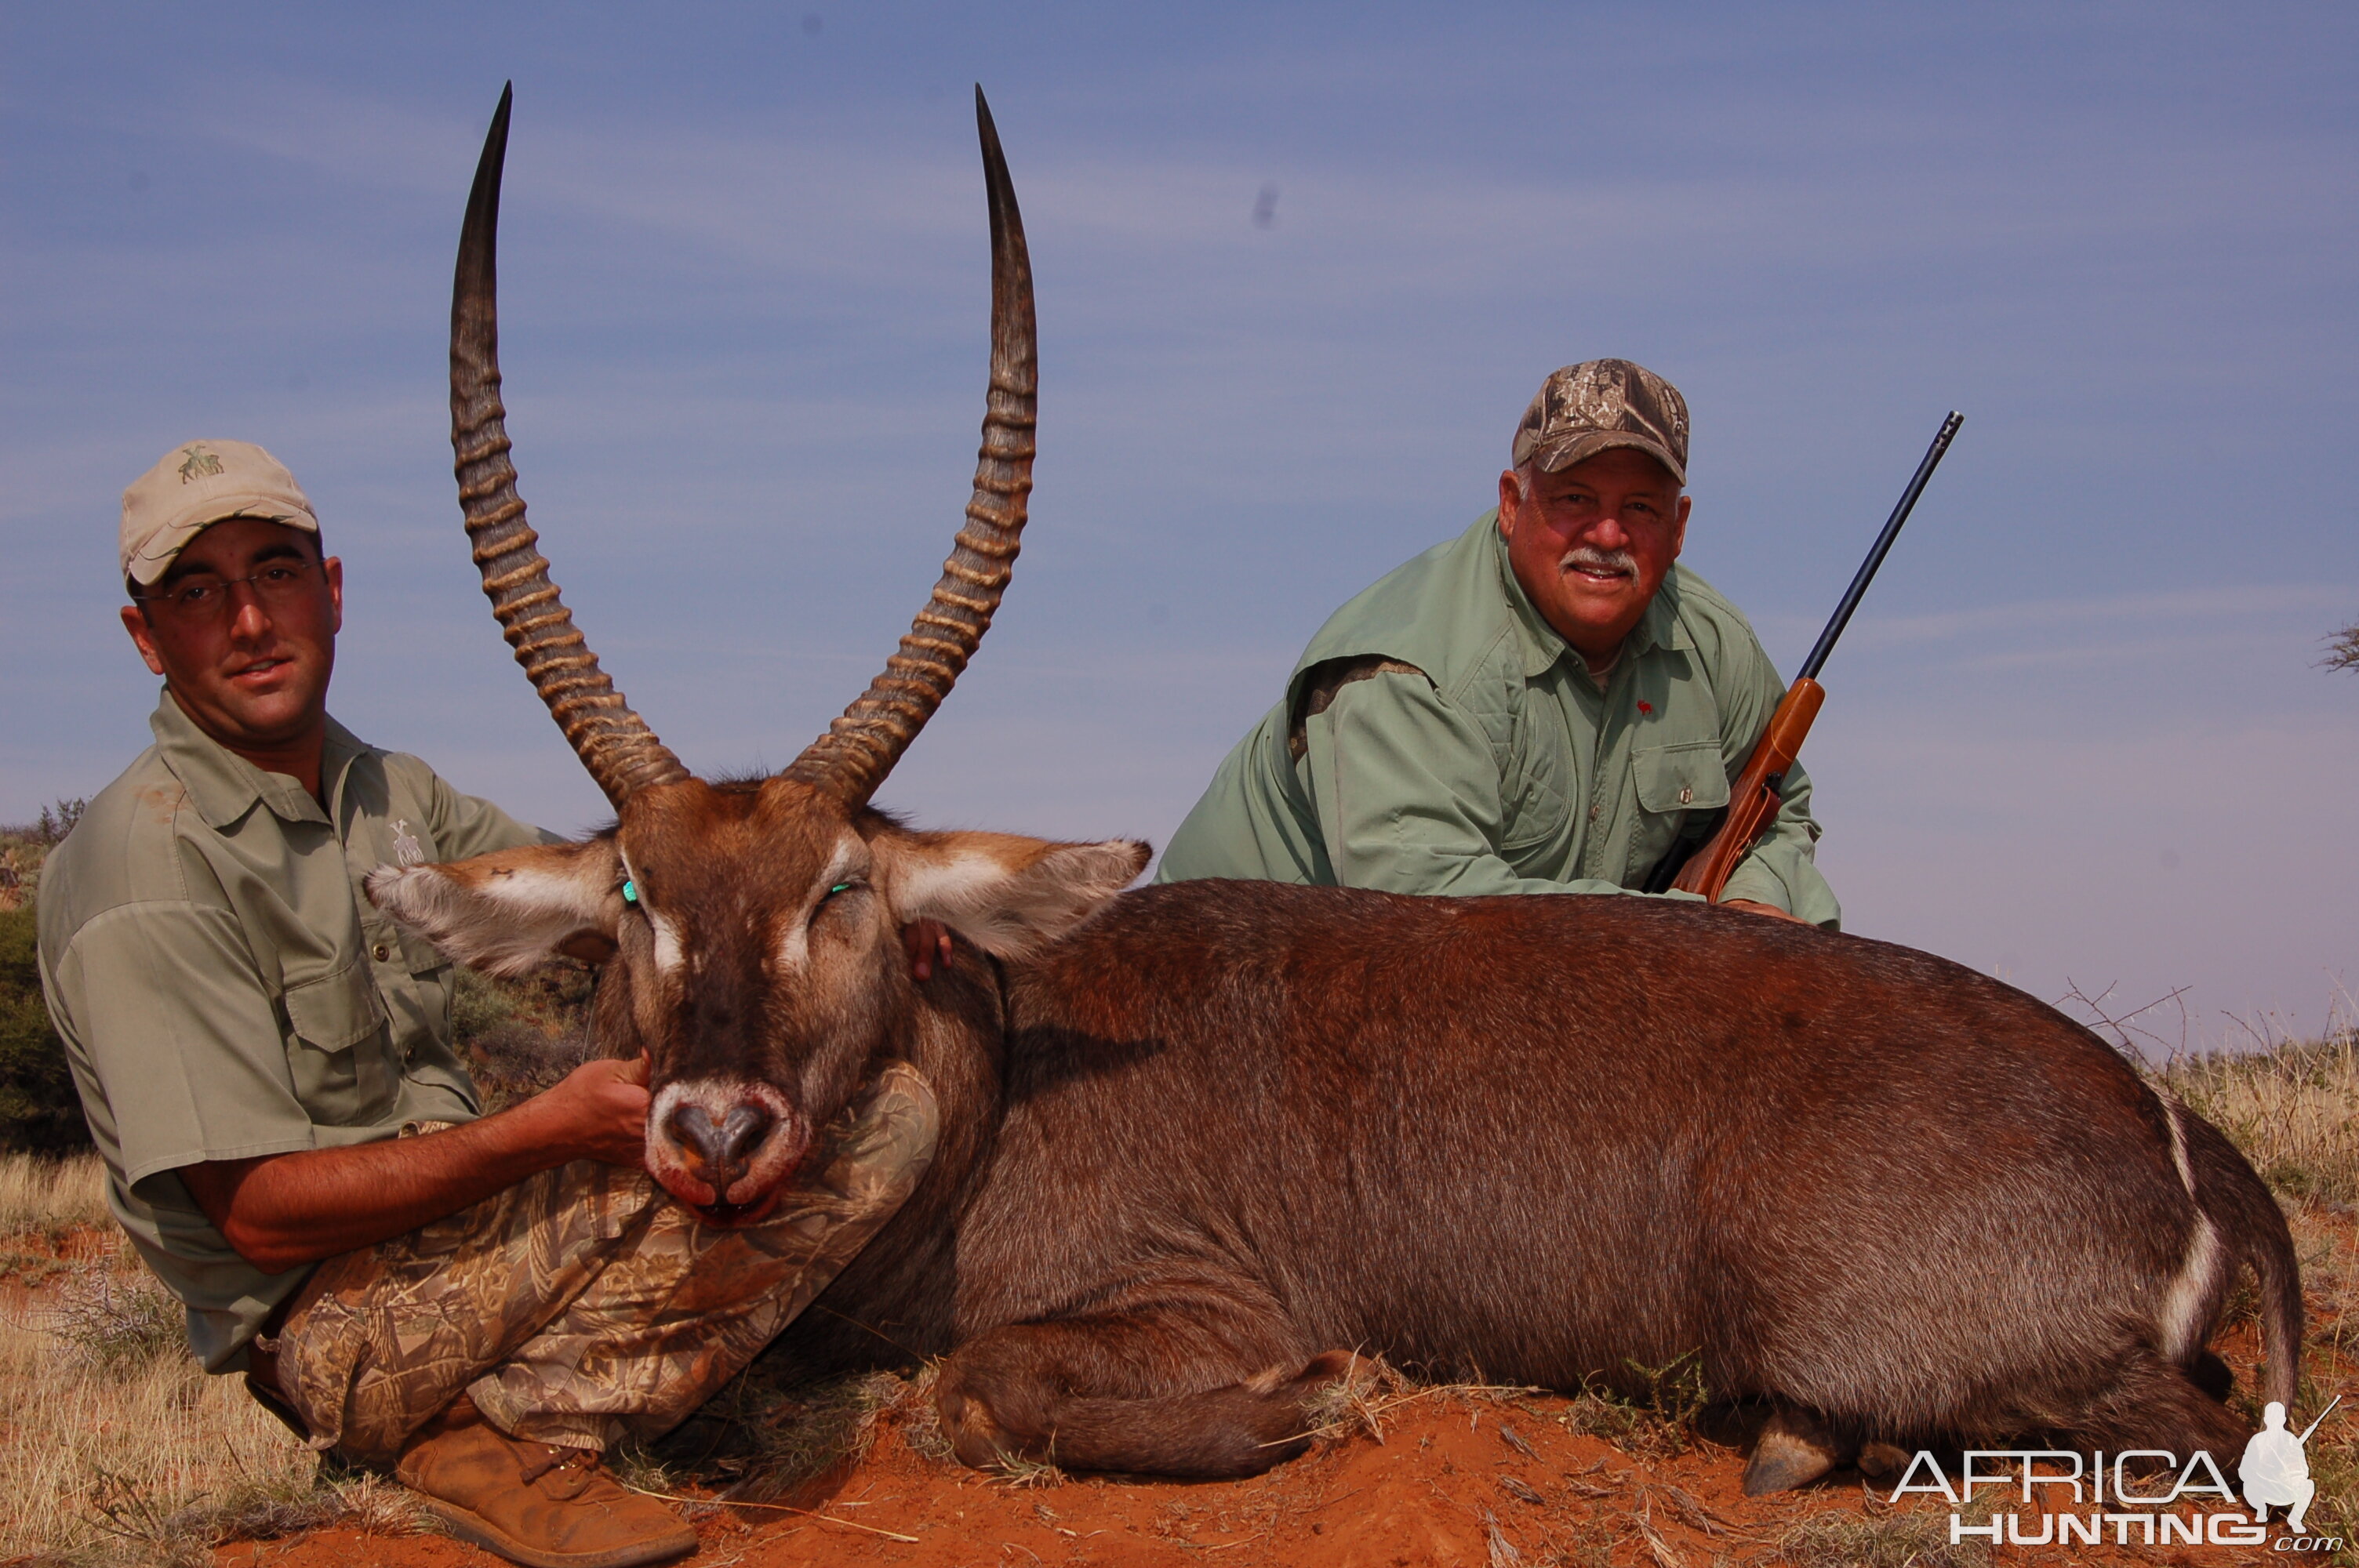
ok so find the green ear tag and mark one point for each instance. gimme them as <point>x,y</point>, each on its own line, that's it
<point>840,887</point>
<point>630,893</point>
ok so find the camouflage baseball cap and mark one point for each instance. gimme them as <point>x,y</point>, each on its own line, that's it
<point>196,486</point>
<point>1594,406</point>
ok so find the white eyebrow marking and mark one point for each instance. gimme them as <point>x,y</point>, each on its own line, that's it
<point>666,929</point>
<point>846,852</point>
<point>793,943</point>
<point>666,940</point>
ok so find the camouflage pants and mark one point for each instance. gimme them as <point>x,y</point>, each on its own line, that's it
<point>586,1304</point>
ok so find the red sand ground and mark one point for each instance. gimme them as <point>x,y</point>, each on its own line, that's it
<point>1482,1479</point>
<point>1490,1482</point>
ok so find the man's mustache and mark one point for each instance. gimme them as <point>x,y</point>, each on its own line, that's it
<point>1595,559</point>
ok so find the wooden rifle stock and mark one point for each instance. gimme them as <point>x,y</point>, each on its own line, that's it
<point>1753,800</point>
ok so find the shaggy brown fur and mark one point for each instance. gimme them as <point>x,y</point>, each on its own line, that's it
<point>1226,1127</point>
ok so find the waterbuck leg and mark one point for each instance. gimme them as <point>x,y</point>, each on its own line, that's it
<point>1795,1449</point>
<point>1172,1392</point>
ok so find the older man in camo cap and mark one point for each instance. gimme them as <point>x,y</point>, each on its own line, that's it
<point>1547,703</point>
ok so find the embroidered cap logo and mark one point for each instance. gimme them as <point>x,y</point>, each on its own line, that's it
<point>198,464</point>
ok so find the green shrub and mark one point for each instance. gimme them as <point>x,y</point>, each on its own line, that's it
<point>518,1037</point>
<point>39,1109</point>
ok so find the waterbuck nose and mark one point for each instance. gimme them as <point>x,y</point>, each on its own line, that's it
<point>722,1152</point>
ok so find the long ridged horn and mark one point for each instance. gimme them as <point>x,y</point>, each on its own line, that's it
<point>614,743</point>
<point>859,749</point>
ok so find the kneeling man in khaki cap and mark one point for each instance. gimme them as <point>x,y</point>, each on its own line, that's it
<point>483,1302</point>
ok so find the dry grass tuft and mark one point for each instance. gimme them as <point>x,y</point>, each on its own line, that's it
<point>1651,1416</point>
<point>2293,1110</point>
<point>1879,1541</point>
<point>44,1203</point>
<point>1355,1402</point>
<point>118,1449</point>
<point>1015,1472</point>
<point>116,1321</point>
<point>48,1196</point>
<point>910,1410</point>
<point>765,1434</point>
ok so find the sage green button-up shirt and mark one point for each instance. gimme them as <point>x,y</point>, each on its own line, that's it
<point>1470,751</point>
<point>225,991</point>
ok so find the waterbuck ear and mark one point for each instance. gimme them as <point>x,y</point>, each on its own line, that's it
<point>1006,894</point>
<point>509,911</point>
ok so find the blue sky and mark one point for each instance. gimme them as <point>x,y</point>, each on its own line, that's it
<point>2076,737</point>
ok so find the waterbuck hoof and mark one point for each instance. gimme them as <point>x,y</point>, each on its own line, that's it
<point>1793,1451</point>
<point>977,1440</point>
<point>1329,1367</point>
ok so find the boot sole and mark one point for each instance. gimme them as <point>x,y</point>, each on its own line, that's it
<point>477,1530</point>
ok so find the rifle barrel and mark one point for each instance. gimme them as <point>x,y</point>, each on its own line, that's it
<point>1858,588</point>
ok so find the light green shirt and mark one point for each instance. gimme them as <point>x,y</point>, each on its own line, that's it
<point>1439,736</point>
<point>224,990</point>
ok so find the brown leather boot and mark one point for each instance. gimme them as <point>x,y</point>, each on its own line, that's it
<point>534,1504</point>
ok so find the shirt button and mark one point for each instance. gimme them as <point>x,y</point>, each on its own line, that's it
<point>1687,794</point>
<point>384,952</point>
<point>1594,812</point>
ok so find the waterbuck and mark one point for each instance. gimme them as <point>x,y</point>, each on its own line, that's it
<point>1200,1141</point>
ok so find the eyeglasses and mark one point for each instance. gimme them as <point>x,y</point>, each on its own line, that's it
<point>206,597</point>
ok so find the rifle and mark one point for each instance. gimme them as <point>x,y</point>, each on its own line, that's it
<point>1753,800</point>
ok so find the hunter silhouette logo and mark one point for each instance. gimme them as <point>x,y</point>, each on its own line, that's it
<point>198,464</point>
<point>2276,1468</point>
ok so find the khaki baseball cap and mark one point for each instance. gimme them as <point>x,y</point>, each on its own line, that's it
<point>196,486</point>
<point>1594,406</point>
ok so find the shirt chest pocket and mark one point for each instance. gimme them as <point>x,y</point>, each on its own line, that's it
<point>1538,781</point>
<point>338,1055</point>
<point>1686,776</point>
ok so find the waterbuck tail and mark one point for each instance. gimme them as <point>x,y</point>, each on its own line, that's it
<point>2237,1206</point>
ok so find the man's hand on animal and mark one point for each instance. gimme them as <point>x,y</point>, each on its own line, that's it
<point>1750,907</point>
<point>599,1112</point>
<point>929,941</point>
